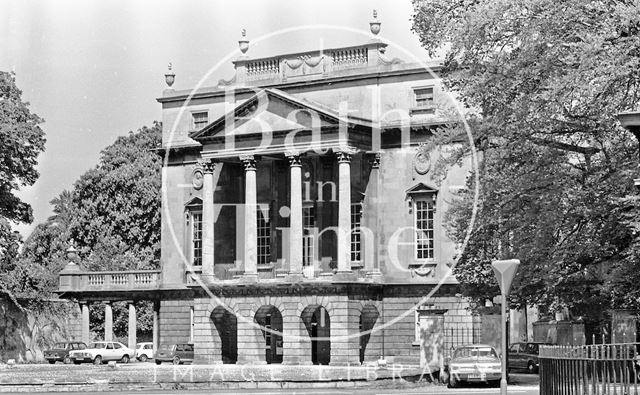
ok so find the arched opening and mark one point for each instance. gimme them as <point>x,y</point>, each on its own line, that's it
<point>316,320</point>
<point>227,325</point>
<point>368,319</point>
<point>270,320</point>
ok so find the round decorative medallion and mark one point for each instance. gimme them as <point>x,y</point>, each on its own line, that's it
<point>422,163</point>
<point>197,179</point>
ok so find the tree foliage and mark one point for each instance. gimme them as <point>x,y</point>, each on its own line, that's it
<point>542,82</point>
<point>21,141</point>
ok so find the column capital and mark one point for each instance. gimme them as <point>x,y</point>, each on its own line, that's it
<point>294,159</point>
<point>344,156</point>
<point>207,165</point>
<point>374,159</point>
<point>248,161</point>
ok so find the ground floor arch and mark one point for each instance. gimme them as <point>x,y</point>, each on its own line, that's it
<point>270,320</point>
<point>318,324</point>
<point>226,325</point>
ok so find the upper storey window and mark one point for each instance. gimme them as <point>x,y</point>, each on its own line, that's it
<point>200,120</point>
<point>423,100</point>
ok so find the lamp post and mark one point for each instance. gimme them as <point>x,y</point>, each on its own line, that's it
<point>504,270</point>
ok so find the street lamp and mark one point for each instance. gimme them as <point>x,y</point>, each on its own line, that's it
<point>505,271</point>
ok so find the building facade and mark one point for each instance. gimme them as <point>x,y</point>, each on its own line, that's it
<point>302,217</point>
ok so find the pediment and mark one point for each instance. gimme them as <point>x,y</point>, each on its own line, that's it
<point>421,188</point>
<point>268,110</point>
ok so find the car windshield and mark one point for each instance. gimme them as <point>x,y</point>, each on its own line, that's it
<point>60,345</point>
<point>98,345</point>
<point>475,352</point>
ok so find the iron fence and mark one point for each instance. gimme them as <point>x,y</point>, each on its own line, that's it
<point>458,336</point>
<point>600,369</point>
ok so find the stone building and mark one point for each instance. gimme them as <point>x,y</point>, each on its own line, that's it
<point>302,221</point>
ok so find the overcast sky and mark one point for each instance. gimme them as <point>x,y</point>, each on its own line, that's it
<point>93,69</point>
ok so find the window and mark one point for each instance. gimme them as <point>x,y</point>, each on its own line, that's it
<point>424,97</point>
<point>188,347</point>
<point>308,227</point>
<point>109,346</point>
<point>200,120</point>
<point>117,346</point>
<point>196,237</point>
<point>264,235</point>
<point>424,228</point>
<point>356,217</point>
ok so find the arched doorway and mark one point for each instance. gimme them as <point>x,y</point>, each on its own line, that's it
<point>270,320</point>
<point>227,325</point>
<point>316,320</point>
<point>368,319</point>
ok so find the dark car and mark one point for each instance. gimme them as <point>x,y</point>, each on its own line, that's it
<point>524,356</point>
<point>175,353</point>
<point>60,351</point>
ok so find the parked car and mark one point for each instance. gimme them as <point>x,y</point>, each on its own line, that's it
<point>524,356</point>
<point>144,351</point>
<point>60,351</point>
<point>176,353</point>
<point>99,352</point>
<point>474,363</point>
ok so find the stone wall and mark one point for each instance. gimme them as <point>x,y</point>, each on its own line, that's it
<point>175,321</point>
<point>25,334</point>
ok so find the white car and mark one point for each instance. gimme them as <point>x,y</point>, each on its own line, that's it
<point>99,352</point>
<point>144,351</point>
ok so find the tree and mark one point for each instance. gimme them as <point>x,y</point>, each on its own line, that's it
<point>542,82</point>
<point>21,141</point>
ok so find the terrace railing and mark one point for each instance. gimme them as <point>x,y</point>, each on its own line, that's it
<point>132,280</point>
<point>590,370</point>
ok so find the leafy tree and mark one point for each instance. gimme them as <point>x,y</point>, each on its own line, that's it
<point>542,82</point>
<point>21,141</point>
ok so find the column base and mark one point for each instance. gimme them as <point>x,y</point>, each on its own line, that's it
<point>296,361</point>
<point>375,275</point>
<point>344,363</point>
<point>250,362</point>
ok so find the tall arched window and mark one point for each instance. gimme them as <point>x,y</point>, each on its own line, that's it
<point>193,249</point>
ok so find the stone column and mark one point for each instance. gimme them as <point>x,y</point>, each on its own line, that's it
<point>345,333</point>
<point>250,218</point>
<point>108,321</point>
<point>84,306</point>
<point>132,326</point>
<point>344,211</point>
<point>208,166</point>
<point>295,218</point>
<point>156,325</point>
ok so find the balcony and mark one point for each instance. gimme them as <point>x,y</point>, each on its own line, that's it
<point>72,279</point>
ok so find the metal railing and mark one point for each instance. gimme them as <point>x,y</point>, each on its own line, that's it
<point>458,336</point>
<point>590,370</point>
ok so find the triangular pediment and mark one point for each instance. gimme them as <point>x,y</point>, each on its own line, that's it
<point>269,110</point>
<point>421,188</point>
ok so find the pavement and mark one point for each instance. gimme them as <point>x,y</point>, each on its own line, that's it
<point>135,377</point>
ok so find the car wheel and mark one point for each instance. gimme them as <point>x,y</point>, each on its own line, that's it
<point>158,362</point>
<point>453,383</point>
<point>67,360</point>
<point>52,361</point>
<point>125,358</point>
<point>176,360</point>
<point>97,360</point>
<point>143,358</point>
<point>531,367</point>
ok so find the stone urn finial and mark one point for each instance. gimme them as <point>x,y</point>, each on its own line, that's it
<point>374,25</point>
<point>243,43</point>
<point>72,257</point>
<point>170,76</point>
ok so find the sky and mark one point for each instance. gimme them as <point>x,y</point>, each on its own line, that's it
<point>93,69</point>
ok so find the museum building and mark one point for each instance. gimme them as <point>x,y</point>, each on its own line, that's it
<point>302,216</point>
